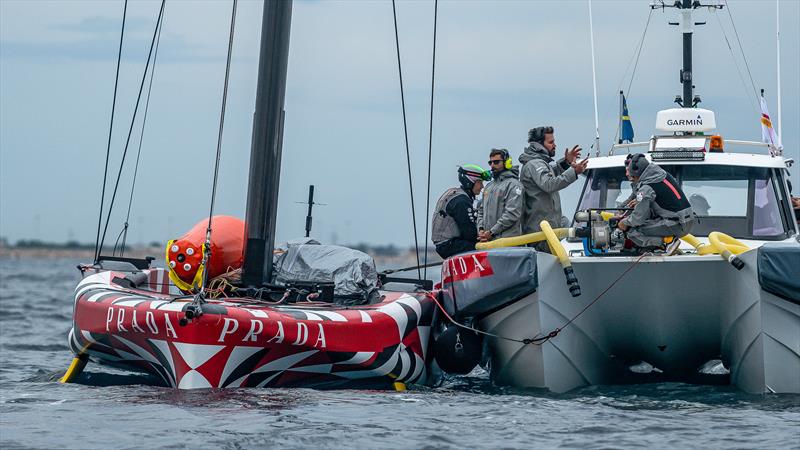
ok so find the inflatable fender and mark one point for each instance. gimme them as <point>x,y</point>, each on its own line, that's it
<point>184,255</point>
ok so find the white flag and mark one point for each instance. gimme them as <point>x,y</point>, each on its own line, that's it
<point>768,134</point>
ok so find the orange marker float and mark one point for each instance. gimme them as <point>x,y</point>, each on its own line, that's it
<point>184,255</point>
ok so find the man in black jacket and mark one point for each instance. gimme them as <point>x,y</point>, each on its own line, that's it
<point>453,229</point>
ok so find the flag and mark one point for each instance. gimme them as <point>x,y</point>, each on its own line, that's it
<point>768,134</point>
<point>626,131</point>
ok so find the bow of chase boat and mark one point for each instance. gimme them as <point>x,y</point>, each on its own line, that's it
<point>738,301</point>
<point>134,318</point>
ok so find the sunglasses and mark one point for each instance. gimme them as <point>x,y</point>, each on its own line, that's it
<point>495,161</point>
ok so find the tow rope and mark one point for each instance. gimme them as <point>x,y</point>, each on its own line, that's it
<point>541,339</point>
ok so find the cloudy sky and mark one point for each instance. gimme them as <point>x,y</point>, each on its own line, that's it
<point>502,67</point>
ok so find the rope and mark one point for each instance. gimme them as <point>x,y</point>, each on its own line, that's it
<point>540,339</point>
<point>636,53</point>
<point>110,130</point>
<point>430,141</point>
<point>141,138</point>
<point>130,130</point>
<point>207,253</point>
<point>736,64</point>
<point>741,49</point>
<point>405,132</point>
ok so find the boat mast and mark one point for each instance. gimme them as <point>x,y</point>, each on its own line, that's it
<point>686,73</point>
<point>265,152</point>
<point>687,28</point>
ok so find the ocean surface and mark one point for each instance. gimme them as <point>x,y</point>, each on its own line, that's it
<point>119,410</point>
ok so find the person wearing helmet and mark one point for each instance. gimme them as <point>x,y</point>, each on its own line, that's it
<point>453,229</point>
<point>500,209</point>
<point>542,178</point>
<point>662,209</point>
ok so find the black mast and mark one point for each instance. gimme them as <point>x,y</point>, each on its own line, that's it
<point>687,24</point>
<point>686,73</point>
<point>265,153</point>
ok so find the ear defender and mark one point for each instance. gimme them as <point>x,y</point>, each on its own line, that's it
<point>509,163</point>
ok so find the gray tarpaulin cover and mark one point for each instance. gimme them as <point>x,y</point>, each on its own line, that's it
<point>353,272</point>
<point>779,270</point>
<point>478,282</point>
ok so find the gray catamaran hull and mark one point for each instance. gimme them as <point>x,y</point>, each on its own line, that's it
<point>675,313</point>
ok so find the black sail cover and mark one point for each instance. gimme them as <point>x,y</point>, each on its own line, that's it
<point>479,282</point>
<point>352,272</point>
<point>779,270</point>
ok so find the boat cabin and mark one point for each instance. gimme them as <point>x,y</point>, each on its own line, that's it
<point>744,195</point>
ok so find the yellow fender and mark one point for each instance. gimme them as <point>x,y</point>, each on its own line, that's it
<point>558,250</point>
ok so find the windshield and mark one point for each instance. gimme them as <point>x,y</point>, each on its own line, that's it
<point>740,201</point>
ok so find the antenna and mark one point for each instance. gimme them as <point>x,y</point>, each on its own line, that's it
<point>778,43</point>
<point>594,86</point>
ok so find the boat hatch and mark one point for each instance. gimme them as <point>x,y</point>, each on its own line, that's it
<point>744,202</point>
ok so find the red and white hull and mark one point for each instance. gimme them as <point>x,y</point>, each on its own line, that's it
<point>244,343</point>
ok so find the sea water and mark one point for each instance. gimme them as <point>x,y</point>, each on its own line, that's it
<point>120,410</point>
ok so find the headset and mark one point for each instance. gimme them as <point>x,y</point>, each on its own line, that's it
<point>508,163</point>
<point>537,134</point>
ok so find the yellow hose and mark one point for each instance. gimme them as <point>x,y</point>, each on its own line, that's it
<point>724,242</point>
<point>719,244</point>
<point>524,239</point>
<point>555,244</point>
<point>558,250</point>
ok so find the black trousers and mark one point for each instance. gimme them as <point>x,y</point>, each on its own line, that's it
<point>454,246</point>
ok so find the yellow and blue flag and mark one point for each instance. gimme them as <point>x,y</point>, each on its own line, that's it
<point>626,128</point>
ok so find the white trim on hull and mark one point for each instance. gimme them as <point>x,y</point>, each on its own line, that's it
<point>676,313</point>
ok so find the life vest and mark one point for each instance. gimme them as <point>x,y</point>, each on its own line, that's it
<point>669,195</point>
<point>444,227</point>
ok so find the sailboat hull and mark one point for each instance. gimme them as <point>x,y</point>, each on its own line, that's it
<point>675,313</point>
<point>244,343</point>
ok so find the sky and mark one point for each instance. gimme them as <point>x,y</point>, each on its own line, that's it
<point>502,67</point>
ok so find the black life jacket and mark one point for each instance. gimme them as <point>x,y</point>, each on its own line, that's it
<point>669,195</point>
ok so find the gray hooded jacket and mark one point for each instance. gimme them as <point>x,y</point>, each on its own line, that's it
<point>648,210</point>
<point>541,180</point>
<point>500,209</point>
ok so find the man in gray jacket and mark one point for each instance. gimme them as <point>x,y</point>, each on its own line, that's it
<point>500,209</point>
<point>662,209</point>
<point>542,178</point>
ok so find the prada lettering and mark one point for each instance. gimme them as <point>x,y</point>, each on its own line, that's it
<point>127,320</point>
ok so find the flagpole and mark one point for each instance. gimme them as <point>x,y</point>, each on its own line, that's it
<point>778,43</point>
<point>619,127</point>
<point>594,86</point>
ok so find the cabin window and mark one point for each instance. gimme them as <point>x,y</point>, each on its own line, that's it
<point>717,197</point>
<point>743,202</point>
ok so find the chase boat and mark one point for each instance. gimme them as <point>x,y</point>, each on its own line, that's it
<point>732,294</point>
<point>728,303</point>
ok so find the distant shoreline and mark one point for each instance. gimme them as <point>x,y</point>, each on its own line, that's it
<point>66,252</point>
<point>59,251</point>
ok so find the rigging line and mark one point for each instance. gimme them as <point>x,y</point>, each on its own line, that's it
<point>633,55</point>
<point>430,141</point>
<point>141,138</point>
<point>636,53</point>
<point>207,250</point>
<point>130,130</point>
<point>741,49</point>
<point>110,130</point>
<point>736,64</point>
<point>405,132</point>
<point>639,53</point>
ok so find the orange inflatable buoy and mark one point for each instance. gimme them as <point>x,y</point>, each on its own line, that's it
<point>185,255</point>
